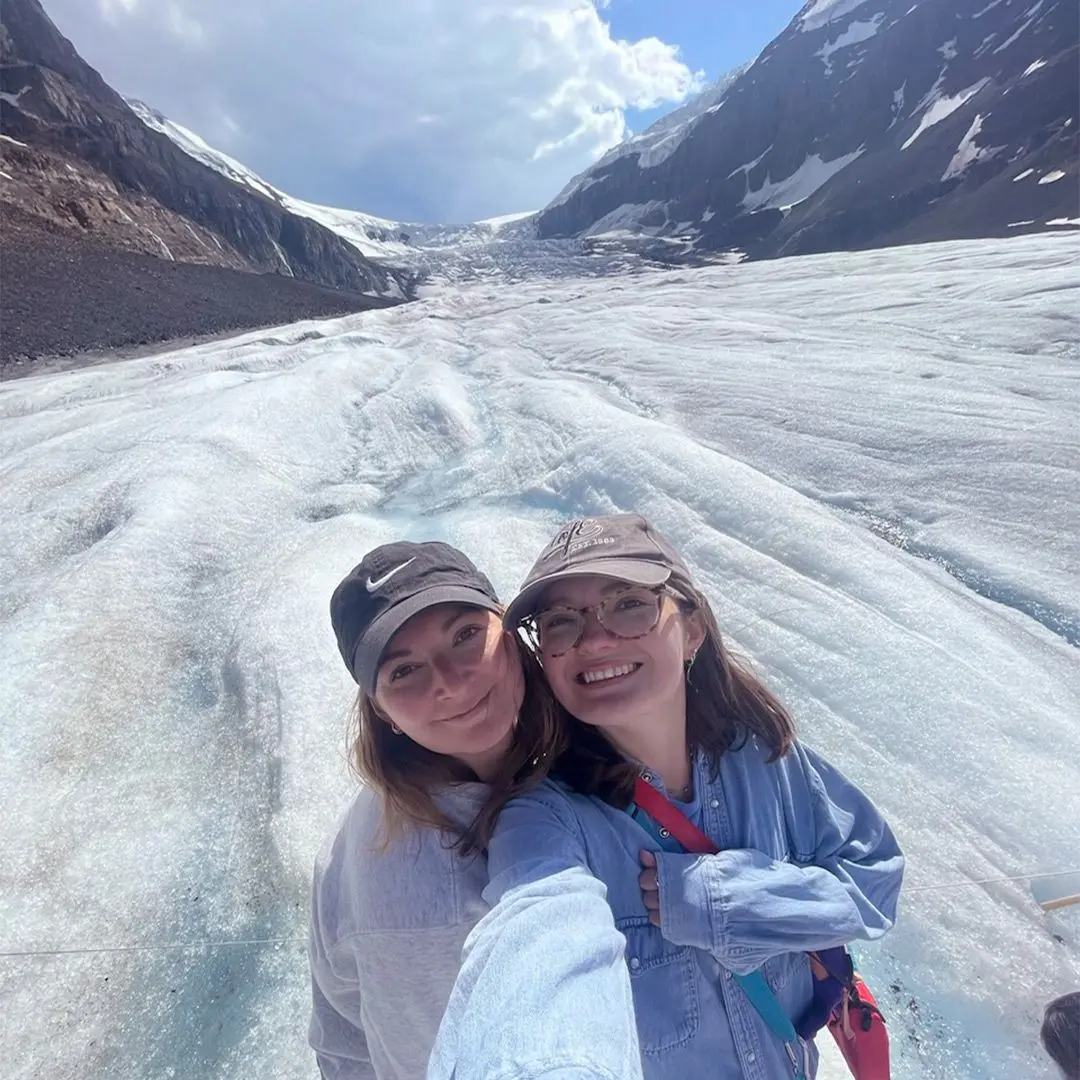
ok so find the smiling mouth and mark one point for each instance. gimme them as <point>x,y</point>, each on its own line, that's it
<point>605,675</point>
<point>468,712</point>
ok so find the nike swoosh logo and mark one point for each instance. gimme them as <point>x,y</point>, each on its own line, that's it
<point>372,585</point>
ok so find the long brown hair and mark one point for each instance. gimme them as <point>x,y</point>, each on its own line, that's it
<point>725,704</point>
<point>407,776</point>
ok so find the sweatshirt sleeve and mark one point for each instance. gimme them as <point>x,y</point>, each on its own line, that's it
<point>543,990</point>
<point>744,907</point>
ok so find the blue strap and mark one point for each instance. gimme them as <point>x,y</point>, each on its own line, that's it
<point>753,985</point>
<point>769,1008</point>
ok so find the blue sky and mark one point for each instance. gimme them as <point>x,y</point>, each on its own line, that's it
<point>713,36</point>
<point>419,110</point>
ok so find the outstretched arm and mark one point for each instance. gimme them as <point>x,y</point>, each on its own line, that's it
<point>543,991</point>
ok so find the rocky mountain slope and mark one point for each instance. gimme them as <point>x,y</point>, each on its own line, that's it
<point>76,156</point>
<point>865,123</point>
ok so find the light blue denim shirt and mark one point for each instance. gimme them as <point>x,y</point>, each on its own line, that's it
<point>806,863</point>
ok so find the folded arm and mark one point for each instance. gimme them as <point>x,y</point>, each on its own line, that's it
<point>744,907</point>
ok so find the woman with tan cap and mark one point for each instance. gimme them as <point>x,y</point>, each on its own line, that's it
<point>728,850</point>
<point>452,718</point>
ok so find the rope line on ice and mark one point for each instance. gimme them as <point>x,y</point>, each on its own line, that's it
<point>171,946</point>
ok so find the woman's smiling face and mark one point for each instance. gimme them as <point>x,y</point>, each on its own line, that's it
<point>451,680</point>
<point>613,682</point>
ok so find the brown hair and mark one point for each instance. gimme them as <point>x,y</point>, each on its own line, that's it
<point>407,775</point>
<point>725,704</point>
<point>1060,1033</point>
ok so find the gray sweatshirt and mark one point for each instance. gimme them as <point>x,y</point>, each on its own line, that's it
<point>387,929</point>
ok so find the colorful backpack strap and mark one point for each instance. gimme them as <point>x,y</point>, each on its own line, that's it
<point>754,985</point>
<point>842,1002</point>
<point>772,1012</point>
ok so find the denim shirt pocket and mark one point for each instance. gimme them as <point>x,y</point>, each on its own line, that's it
<point>664,981</point>
<point>792,982</point>
<point>780,970</point>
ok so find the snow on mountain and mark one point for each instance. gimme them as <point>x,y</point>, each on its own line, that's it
<point>856,128</point>
<point>398,242</point>
<point>819,13</point>
<point>85,166</point>
<point>869,460</point>
<point>660,140</point>
<point>373,236</point>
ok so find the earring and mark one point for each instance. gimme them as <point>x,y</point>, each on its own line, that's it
<point>690,662</point>
<point>394,728</point>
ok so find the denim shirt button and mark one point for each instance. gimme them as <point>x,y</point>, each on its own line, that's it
<point>647,777</point>
<point>635,963</point>
<point>751,1056</point>
<point>715,803</point>
<point>664,833</point>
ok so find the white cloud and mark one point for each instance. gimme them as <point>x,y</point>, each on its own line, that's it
<point>449,110</point>
<point>113,10</point>
<point>183,26</point>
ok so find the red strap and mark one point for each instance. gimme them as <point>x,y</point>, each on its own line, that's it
<point>670,817</point>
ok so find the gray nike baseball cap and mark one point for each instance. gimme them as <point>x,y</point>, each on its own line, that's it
<point>391,584</point>
<point>621,546</point>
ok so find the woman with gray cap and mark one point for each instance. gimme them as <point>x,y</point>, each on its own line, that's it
<point>452,718</point>
<point>729,851</point>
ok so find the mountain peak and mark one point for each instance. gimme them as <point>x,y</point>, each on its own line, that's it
<point>864,123</point>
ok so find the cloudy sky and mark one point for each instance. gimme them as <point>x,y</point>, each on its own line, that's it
<point>417,110</point>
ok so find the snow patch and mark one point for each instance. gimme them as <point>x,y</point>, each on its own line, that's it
<point>948,50</point>
<point>13,99</point>
<point>286,269</point>
<point>661,150</point>
<point>1052,177</point>
<point>967,153</point>
<point>750,164</point>
<point>989,7</point>
<point>856,32</point>
<point>14,142</point>
<point>372,236</point>
<point>501,220</point>
<point>195,236</point>
<point>5,175</point>
<point>1008,41</point>
<point>1018,224</point>
<point>165,252</point>
<point>1032,68</point>
<point>623,218</point>
<point>1021,176</point>
<point>1064,221</point>
<point>897,105</point>
<point>942,107</point>
<point>800,185</point>
<point>708,215</point>
<point>826,11</point>
<point>658,141</point>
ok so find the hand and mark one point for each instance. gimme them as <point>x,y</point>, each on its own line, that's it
<point>650,887</point>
